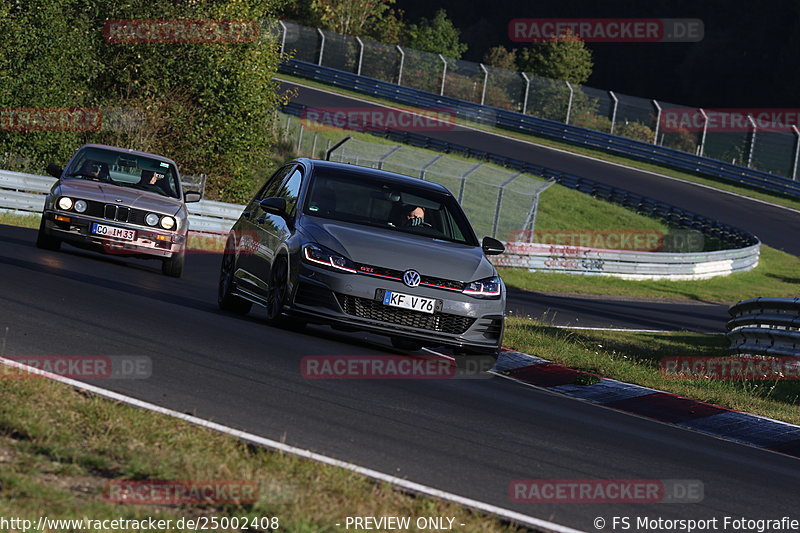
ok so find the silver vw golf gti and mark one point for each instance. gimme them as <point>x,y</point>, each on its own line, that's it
<point>365,249</point>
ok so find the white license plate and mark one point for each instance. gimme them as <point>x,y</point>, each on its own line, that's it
<point>407,301</point>
<point>112,231</point>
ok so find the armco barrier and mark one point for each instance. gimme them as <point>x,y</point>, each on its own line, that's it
<point>26,192</point>
<point>576,135</point>
<point>627,264</point>
<point>765,326</point>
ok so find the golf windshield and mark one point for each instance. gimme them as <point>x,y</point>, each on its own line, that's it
<point>126,170</point>
<point>395,206</point>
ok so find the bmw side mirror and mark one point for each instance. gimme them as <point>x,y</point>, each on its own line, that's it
<point>192,196</point>
<point>54,170</point>
<point>492,246</point>
<point>274,206</point>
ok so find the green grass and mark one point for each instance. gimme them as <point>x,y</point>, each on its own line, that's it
<point>634,358</point>
<point>60,448</point>
<point>23,221</point>
<point>786,201</point>
<point>777,274</point>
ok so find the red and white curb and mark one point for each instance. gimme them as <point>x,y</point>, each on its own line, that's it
<point>666,407</point>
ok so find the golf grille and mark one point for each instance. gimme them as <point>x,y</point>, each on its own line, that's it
<point>375,310</point>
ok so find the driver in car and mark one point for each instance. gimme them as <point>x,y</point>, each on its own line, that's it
<point>414,216</point>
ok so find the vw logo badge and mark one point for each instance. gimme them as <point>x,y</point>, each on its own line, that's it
<point>411,278</point>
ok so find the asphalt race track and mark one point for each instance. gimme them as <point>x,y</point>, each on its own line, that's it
<point>610,312</point>
<point>469,436</point>
<point>774,226</point>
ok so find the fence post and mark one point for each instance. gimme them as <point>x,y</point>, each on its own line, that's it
<point>400,69</point>
<point>314,146</point>
<point>300,139</point>
<point>485,81</point>
<point>283,37</point>
<point>752,142</point>
<point>796,151</point>
<point>333,148</point>
<point>387,154</point>
<point>531,221</point>
<point>426,165</point>
<point>321,46</point>
<point>360,54</point>
<point>705,130</point>
<point>464,180</point>
<point>444,73</point>
<point>527,90</point>
<point>569,103</point>
<point>658,122</point>
<point>614,111</point>
<point>499,203</point>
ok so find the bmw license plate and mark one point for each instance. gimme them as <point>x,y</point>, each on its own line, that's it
<point>112,231</point>
<point>407,301</point>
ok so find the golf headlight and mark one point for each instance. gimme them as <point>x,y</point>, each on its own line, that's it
<point>313,253</point>
<point>81,206</point>
<point>65,203</point>
<point>489,288</point>
<point>167,222</point>
<point>151,219</point>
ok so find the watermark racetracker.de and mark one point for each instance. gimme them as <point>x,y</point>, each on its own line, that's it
<point>731,368</point>
<point>730,120</point>
<point>395,367</point>
<point>24,119</point>
<point>607,30</point>
<point>129,31</point>
<point>606,491</point>
<point>83,367</point>
<point>377,119</point>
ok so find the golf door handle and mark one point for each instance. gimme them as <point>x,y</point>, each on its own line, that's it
<point>261,219</point>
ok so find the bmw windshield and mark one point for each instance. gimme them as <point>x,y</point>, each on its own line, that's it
<point>393,206</point>
<point>126,170</point>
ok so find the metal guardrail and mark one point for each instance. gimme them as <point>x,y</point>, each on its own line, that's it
<point>765,326</point>
<point>628,264</point>
<point>551,129</point>
<point>25,193</point>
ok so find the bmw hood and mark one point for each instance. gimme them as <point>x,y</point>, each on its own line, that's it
<point>400,251</point>
<point>115,194</point>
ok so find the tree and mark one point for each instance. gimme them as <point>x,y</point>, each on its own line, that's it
<point>563,58</point>
<point>499,56</point>
<point>437,35</point>
<point>360,18</point>
<point>209,106</point>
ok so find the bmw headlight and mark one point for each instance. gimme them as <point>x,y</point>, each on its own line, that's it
<point>167,222</point>
<point>81,206</point>
<point>151,219</point>
<point>488,288</point>
<point>313,253</point>
<point>65,203</point>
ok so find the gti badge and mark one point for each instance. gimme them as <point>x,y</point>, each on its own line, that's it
<point>411,278</point>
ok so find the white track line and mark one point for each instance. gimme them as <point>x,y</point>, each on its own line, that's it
<point>404,484</point>
<point>561,150</point>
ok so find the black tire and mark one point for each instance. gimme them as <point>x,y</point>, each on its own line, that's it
<point>405,344</point>
<point>225,299</point>
<point>173,267</point>
<point>45,241</point>
<point>278,292</point>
